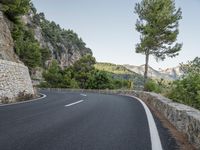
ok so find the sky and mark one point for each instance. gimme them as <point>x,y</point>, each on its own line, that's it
<point>108,28</point>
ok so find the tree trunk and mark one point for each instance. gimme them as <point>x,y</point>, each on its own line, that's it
<point>146,66</point>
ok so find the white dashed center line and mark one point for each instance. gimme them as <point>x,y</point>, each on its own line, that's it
<point>74,103</point>
<point>83,95</point>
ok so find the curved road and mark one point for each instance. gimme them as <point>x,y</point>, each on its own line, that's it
<point>76,121</point>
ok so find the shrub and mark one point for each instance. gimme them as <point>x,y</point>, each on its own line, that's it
<point>187,90</point>
<point>14,8</point>
<point>5,100</point>
<point>23,96</point>
<point>152,86</point>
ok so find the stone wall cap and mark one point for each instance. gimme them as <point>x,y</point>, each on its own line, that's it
<point>192,112</point>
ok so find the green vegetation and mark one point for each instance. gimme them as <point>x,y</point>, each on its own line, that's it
<point>122,75</point>
<point>26,47</point>
<point>57,36</point>
<point>83,69</point>
<point>112,68</point>
<point>82,75</point>
<point>152,86</point>
<point>158,25</point>
<point>54,76</point>
<point>14,8</point>
<point>187,90</point>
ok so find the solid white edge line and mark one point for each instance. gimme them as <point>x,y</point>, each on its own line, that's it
<point>27,101</point>
<point>74,103</point>
<point>155,139</point>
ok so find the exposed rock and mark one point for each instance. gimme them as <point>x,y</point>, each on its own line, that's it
<point>167,74</point>
<point>6,41</point>
<point>38,36</point>
<point>63,51</point>
<point>36,75</point>
<point>175,72</point>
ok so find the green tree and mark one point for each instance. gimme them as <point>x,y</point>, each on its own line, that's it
<point>192,67</point>
<point>45,55</point>
<point>152,86</point>
<point>15,8</point>
<point>26,47</point>
<point>30,54</point>
<point>158,25</point>
<point>82,70</point>
<point>187,89</point>
<point>53,75</point>
<point>99,80</point>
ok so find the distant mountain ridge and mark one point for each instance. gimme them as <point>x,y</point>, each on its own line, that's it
<point>167,74</point>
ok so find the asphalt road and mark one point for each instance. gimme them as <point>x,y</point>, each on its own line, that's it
<point>75,121</point>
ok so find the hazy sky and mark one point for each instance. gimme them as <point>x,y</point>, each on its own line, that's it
<point>108,28</point>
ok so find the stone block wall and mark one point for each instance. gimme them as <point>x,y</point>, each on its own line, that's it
<point>14,81</point>
<point>186,119</point>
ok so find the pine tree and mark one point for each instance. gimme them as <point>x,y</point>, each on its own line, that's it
<point>14,8</point>
<point>158,25</point>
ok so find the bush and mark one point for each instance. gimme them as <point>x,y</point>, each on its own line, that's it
<point>23,96</point>
<point>53,76</point>
<point>27,48</point>
<point>14,8</point>
<point>81,75</point>
<point>99,80</point>
<point>152,86</point>
<point>186,91</point>
<point>5,100</point>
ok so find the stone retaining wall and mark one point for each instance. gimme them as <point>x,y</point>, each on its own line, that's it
<point>186,119</point>
<point>15,81</point>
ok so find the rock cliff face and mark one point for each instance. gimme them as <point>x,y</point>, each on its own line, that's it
<point>15,82</point>
<point>167,74</point>
<point>6,41</point>
<point>53,37</point>
<point>63,50</point>
<point>175,72</point>
<point>63,45</point>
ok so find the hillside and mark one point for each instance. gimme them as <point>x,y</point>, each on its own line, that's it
<point>121,72</point>
<point>167,74</point>
<point>64,45</point>
<point>27,36</point>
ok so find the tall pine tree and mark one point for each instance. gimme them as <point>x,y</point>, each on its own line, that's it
<point>158,25</point>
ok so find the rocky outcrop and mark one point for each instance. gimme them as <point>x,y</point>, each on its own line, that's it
<point>15,82</point>
<point>6,41</point>
<point>167,74</point>
<point>63,50</point>
<point>175,72</point>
